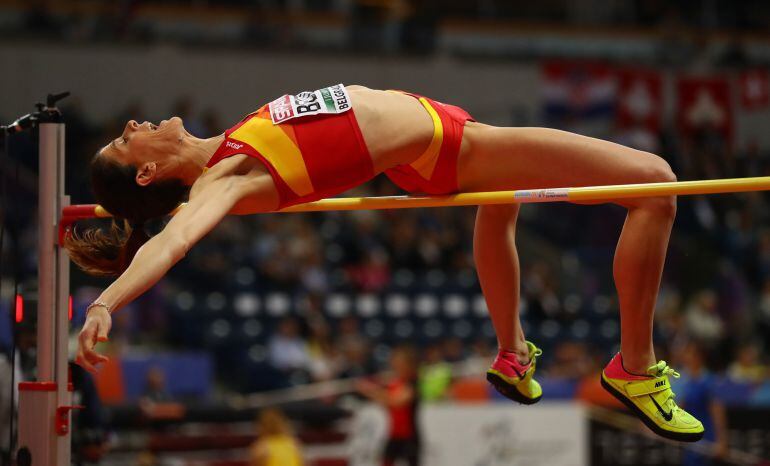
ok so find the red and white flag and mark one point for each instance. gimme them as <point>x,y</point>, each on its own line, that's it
<point>704,103</point>
<point>575,89</point>
<point>640,98</point>
<point>755,89</point>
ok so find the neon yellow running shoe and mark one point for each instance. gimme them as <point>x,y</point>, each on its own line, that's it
<point>650,398</point>
<point>513,379</point>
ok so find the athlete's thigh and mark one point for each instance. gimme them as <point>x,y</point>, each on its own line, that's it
<point>524,158</point>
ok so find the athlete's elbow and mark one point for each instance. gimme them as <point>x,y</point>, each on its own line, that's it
<point>176,247</point>
<point>180,250</point>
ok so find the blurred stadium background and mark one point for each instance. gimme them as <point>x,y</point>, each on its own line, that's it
<point>272,303</point>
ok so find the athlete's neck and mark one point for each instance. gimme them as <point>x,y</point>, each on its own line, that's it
<point>197,153</point>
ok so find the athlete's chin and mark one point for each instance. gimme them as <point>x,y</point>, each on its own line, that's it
<point>179,124</point>
<point>175,121</point>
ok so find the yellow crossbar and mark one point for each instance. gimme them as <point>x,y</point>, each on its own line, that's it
<point>578,194</point>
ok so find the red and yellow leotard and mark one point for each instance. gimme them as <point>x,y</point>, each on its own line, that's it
<point>320,155</point>
<point>435,171</point>
<point>309,158</point>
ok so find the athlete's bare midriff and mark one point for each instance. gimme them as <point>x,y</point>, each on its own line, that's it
<point>396,127</point>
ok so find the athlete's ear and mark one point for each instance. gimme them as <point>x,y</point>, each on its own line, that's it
<point>146,173</point>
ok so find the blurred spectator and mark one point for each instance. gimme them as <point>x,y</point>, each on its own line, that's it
<point>703,322</point>
<point>349,333</point>
<point>373,274</point>
<point>435,375</point>
<point>357,361</point>
<point>400,397</point>
<point>570,361</point>
<point>454,349</point>
<point>747,367</point>
<point>276,445</point>
<point>156,402</point>
<point>761,396</point>
<point>325,359</point>
<point>155,387</point>
<point>286,349</point>
<point>697,393</point>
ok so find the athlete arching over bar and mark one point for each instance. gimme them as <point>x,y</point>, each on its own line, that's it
<point>317,144</point>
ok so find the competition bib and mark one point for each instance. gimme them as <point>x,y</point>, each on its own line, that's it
<point>333,99</point>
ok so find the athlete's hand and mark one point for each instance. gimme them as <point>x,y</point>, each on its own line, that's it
<point>96,329</point>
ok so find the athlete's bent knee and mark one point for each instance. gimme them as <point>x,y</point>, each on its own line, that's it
<point>657,170</point>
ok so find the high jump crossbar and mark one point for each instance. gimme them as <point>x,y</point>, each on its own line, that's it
<point>577,194</point>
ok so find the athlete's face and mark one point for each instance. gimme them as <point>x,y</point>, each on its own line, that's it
<point>148,146</point>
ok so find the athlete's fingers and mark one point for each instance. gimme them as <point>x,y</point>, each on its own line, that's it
<point>94,330</point>
<point>93,356</point>
<point>82,362</point>
<point>96,358</point>
<point>86,337</point>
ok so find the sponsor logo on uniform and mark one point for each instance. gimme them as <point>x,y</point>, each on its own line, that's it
<point>306,102</point>
<point>233,145</point>
<point>305,97</point>
<point>333,99</point>
<point>280,109</point>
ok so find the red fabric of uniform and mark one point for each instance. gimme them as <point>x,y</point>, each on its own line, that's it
<point>444,177</point>
<point>333,151</point>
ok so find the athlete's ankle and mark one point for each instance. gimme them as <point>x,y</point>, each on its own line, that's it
<point>637,365</point>
<point>520,354</point>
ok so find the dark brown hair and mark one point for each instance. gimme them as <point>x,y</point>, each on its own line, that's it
<point>108,253</point>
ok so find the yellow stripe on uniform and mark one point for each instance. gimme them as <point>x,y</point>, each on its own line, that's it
<point>426,163</point>
<point>275,146</point>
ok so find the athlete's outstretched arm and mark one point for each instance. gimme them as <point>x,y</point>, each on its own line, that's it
<point>151,262</point>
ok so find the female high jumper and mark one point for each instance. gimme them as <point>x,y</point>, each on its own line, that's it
<point>313,145</point>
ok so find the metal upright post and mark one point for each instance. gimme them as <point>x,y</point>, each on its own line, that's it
<point>46,237</point>
<point>44,405</point>
<point>61,316</point>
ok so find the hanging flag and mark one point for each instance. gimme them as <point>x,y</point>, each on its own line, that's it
<point>704,103</point>
<point>640,98</point>
<point>577,91</point>
<point>754,89</point>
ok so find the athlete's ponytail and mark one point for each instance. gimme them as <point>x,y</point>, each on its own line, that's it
<point>109,253</point>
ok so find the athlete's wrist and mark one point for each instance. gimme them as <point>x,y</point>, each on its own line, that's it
<point>100,306</point>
